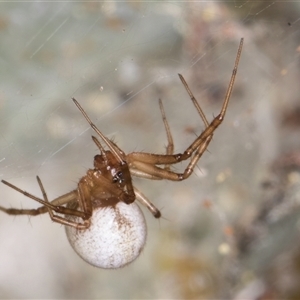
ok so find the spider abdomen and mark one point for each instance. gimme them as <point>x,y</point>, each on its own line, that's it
<point>115,238</point>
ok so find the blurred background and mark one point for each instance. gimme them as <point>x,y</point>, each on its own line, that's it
<point>230,231</point>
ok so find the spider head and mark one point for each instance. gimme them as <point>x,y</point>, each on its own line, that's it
<point>111,168</point>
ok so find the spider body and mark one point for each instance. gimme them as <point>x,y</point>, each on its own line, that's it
<point>103,223</point>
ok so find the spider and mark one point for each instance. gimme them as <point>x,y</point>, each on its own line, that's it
<point>103,223</point>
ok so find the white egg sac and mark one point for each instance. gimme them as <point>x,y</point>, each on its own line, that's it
<point>115,238</point>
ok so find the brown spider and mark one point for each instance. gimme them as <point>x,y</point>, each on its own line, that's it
<point>104,225</point>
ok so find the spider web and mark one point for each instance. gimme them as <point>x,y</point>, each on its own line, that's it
<point>117,59</point>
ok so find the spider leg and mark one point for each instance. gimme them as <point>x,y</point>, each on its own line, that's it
<point>84,198</point>
<point>170,146</point>
<point>55,205</point>
<point>146,202</point>
<point>109,144</point>
<point>146,162</point>
<point>141,174</point>
<point>195,102</point>
<point>129,196</point>
<point>155,172</point>
<point>30,212</point>
<point>59,219</point>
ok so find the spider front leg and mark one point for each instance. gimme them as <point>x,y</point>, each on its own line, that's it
<point>145,164</point>
<point>142,172</point>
